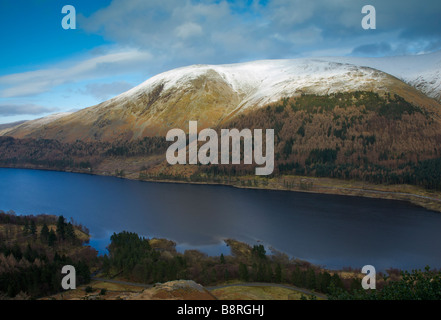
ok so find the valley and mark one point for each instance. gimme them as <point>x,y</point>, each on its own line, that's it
<point>376,132</point>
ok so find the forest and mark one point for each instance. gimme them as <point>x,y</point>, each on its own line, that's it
<point>156,260</point>
<point>359,135</point>
<point>33,249</point>
<point>151,261</point>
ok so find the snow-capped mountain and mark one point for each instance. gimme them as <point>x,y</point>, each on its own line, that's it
<point>212,94</point>
<point>260,82</point>
<point>420,71</point>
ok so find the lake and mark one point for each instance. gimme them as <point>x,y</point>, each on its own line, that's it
<point>329,230</point>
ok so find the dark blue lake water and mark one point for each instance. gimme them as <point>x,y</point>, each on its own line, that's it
<point>333,231</point>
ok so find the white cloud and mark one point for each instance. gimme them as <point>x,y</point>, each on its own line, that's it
<point>104,91</point>
<point>155,36</point>
<point>188,29</point>
<point>188,32</point>
<point>291,12</point>
<point>39,81</point>
<point>24,109</point>
<point>302,37</point>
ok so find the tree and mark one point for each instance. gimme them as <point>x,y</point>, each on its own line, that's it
<point>355,285</point>
<point>278,274</point>
<point>336,281</point>
<point>297,277</point>
<point>415,285</point>
<point>106,265</point>
<point>259,251</point>
<point>261,271</point>
<point>325,281</point>
<point>26,229</point>
<point>44,233</point>
<point>243,272</point>
<point>61,228</point>
<point>227,275</point>
<point>52,238</point>
<point>310,279</point>
<point>70,232</point>
<point>83,272</point>
<point>33,228</point>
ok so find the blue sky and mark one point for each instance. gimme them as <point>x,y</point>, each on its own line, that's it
<point>120,43</point>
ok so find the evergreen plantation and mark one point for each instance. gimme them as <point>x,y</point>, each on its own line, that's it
<point>33,249</point>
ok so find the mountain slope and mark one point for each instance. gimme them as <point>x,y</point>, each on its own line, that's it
<point>213,95</point>
<point>11,125</point>
<point>420,71</point>
<point>27,127</point>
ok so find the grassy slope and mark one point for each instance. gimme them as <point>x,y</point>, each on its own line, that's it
<point>120,291</point>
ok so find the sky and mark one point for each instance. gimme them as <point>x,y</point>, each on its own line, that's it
<point>118,44</point>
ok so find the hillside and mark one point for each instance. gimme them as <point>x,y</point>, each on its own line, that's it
<point>331,120</point>
<point>33,249</point>
<point>422,72</point>
<point>364,136</point>
<point>11,125</point>
<point>212,95</point>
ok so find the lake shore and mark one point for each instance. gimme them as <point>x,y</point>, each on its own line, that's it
<point>324,229</point>
<point>412,194</point>
<point>429,199</point>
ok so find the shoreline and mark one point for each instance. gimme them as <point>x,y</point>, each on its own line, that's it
<point>331,186</point>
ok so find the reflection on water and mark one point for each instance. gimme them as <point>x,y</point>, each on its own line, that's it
<point>334,231</point>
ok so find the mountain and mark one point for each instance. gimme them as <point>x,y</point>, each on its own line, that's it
<point>420,71</point>
<point>332,117</point>
<point>11,125</point>
<point>27,127</point>
<point>215,94</point>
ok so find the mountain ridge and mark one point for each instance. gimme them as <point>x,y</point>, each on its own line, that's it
<point>214,94</point>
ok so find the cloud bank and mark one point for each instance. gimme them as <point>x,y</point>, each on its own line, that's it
<point>149,37</point>
<point>23,109</point>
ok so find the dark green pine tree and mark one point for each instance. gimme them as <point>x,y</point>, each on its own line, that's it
<point>278,274</point>
<point>243,272</point>
<point>310,279</point>
<point>52,238</point>
<point>106,265</point>
<point>261,272</point>
<point>61,228</point>
<point>44,234</point>
<point>226,275</point>
<point>296,277</point>
<point>70,232</point>
<point>325,282</point>
<point>26,229</point>
<point>33,228</point>
<point>336,281</point>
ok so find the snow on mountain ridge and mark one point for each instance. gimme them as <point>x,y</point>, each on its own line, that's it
<point>264,81</point>
<point>420,71</point>
<point>36,123</point>
<point>214,93</point>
